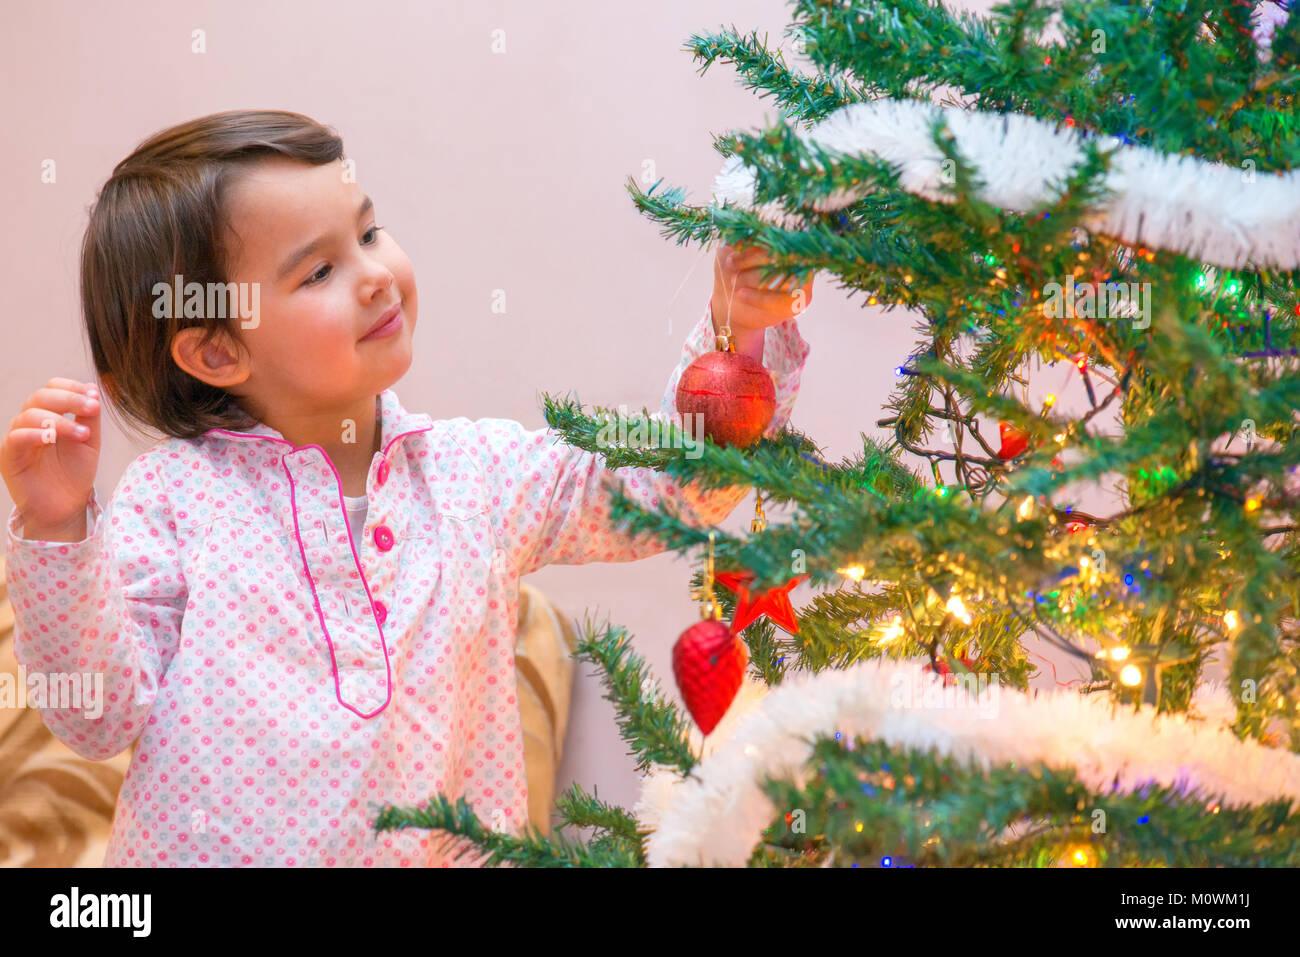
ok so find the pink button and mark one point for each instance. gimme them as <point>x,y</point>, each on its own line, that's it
<point>382,477</point>
<point>384,538</point>
<point>381,612</point>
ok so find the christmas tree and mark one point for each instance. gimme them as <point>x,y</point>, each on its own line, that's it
<point>1105,184</point>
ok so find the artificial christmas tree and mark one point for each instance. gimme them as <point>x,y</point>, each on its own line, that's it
<point>1122,198</point>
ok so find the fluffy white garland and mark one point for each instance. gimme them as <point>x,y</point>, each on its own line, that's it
<point>716,817</point>
<point>1208,211</point>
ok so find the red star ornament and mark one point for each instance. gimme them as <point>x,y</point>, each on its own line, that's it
<point>775,602</point>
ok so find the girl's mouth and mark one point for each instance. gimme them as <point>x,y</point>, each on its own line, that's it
<point>389,323</point>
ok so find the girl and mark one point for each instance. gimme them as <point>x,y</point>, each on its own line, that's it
<point>303,600</point>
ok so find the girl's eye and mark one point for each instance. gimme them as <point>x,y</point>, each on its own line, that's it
<point>317,275</point>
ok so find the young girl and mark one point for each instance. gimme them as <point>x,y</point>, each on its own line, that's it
<point>303,600</point>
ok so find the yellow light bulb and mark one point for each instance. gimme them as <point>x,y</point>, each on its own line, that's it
<point>853,571</point>
<point>1026,507</point>
<point>892,632</point>
<point>1120,653</point>
<point>1252,503</point>
<point>1230,620</point>
<point>1131,676</point>
<point>1049,401</point>
<point>958,609</point>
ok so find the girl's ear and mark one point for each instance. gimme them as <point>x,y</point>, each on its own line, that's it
<point>218,361</point>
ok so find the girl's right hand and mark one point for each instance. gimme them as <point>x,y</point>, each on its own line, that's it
<point>48,462</point>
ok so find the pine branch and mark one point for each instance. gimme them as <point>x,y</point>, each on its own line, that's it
<point>654,728</point>
<point>531,850</point>
<point>872,802</point>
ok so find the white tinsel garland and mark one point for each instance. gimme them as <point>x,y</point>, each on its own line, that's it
<point>1214,213</point>
<point>717,815</point>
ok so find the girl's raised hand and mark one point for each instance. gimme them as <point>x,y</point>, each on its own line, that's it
<point>740,298</point>
<point>48,462</point>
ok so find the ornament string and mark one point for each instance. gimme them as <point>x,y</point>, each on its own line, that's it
<point>709,608</point>
<point>724,340</point>
<point>689,273</point>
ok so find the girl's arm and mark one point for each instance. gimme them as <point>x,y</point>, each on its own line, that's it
<point>550,501</point>
<point>102,615</point>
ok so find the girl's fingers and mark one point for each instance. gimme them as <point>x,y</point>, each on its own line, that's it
<point>789,289</point>
<point>740,272</point>
<point>746,257</point>
<point>72,385</point>
<point>732,259</point>
<point>753,279</point>
<point>27,441</point>
<point>776,302</point>
<point>49,425</point>
<point>61,400</point>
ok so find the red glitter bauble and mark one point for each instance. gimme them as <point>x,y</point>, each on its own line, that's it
<point>733,392</point>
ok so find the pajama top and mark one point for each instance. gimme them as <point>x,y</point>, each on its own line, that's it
<point>284,678</point>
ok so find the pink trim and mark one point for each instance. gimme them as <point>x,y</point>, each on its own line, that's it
<point>250,435</point>
<point>297,531</point>
<point>356,559</point>
<point>384,453</point>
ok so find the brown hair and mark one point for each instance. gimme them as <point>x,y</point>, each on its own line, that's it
<point>161,214</point>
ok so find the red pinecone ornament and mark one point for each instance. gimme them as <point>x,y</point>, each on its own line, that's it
<point>709,665</point>
<point>734,393</point>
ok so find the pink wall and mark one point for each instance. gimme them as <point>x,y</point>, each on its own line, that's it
<point>492,171</point>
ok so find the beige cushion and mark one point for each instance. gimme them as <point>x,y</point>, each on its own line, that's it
<point>544,666</point>
<point>56,808</point>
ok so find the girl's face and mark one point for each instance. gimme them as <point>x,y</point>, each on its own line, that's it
<point>326,274</point>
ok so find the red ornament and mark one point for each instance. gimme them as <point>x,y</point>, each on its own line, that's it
<point>1013,441</point>
<point>775,602</point>
<point>709,665</point>
<point>733,392</point>
<point>948,677</point>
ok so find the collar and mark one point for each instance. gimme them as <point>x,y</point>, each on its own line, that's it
<point>395,422</point>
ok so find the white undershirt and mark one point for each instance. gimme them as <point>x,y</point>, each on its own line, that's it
<point>356,509</point>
